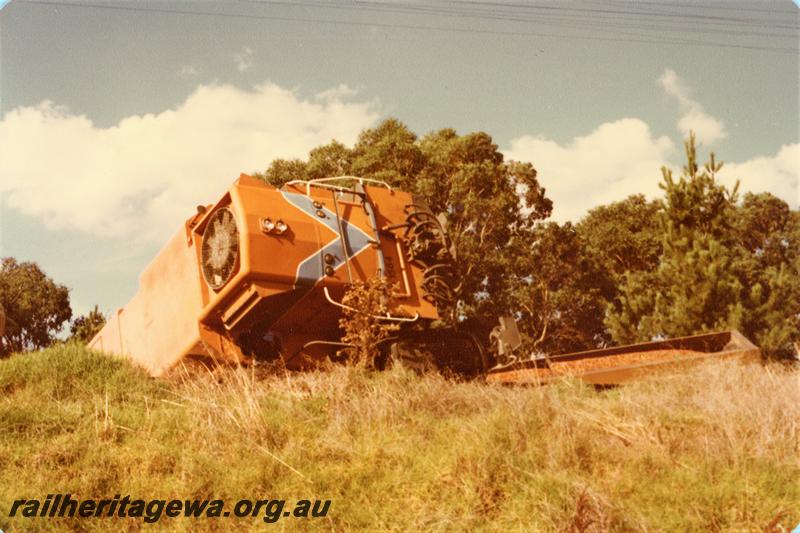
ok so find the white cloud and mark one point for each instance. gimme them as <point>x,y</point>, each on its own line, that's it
<point>707,129</point>
<point>778,174</point>
<point>146,174</point>
<point>341,92</point>
<point>243,59</point>
<point>675,87</point>
<point>622,158</point>
<point>615,160</point>
<point>187,71</point>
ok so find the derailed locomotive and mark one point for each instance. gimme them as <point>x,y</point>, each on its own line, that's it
<point>260,275</point>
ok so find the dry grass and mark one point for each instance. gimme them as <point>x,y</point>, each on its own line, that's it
<point>714,450</point>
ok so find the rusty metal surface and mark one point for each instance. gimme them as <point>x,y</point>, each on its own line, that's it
<point>672,354</point>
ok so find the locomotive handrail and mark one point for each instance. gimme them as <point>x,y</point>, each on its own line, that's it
<point>320,182</point>
<point>328,343</point>
<point>343,238</point>
<point>319,343</point>
<point>378,317</point>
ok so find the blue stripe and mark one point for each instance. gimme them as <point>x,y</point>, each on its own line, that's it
<point>312,268</point>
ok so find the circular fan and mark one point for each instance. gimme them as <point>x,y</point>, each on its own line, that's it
<point>220,249</point>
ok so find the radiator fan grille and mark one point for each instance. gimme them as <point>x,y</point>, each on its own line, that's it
<point>220,249</point>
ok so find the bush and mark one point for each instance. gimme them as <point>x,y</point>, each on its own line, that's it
<point>363,329</point>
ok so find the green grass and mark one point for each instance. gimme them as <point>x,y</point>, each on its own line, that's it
<point>715,450</point>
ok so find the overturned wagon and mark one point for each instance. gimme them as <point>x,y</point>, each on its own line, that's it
<point>612,366</point>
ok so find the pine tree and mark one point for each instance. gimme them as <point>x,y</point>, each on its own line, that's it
<point>85,327</point>
<point>695,287</point>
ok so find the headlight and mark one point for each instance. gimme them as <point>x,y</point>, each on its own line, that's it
<point>267,225</point>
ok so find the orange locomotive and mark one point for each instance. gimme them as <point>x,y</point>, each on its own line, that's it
<point>261,274</point>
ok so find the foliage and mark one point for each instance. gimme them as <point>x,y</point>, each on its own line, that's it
<point>693,288</point>
<point>35,306</point>
<point>722,266</point>
<point>768,243</point>
<point>559,300</point>
<point>615,240</point>
<point>621,237</point>
<point>366,301</point>
<point>85,327</point>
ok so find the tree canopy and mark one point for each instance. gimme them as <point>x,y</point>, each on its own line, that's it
<point>557,292</point>
<point>491,206</point>
<point>36,307</point>
<point>85,327</point>
<point>721,266</point>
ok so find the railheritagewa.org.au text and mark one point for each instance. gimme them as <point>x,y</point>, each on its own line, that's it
<point>153,510</point>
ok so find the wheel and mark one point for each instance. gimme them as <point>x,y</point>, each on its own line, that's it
<point>449,351</point>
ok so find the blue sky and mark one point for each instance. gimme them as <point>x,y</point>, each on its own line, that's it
<point>117,118</point>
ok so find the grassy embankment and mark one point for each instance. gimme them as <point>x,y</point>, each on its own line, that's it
<point>715,450</point>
